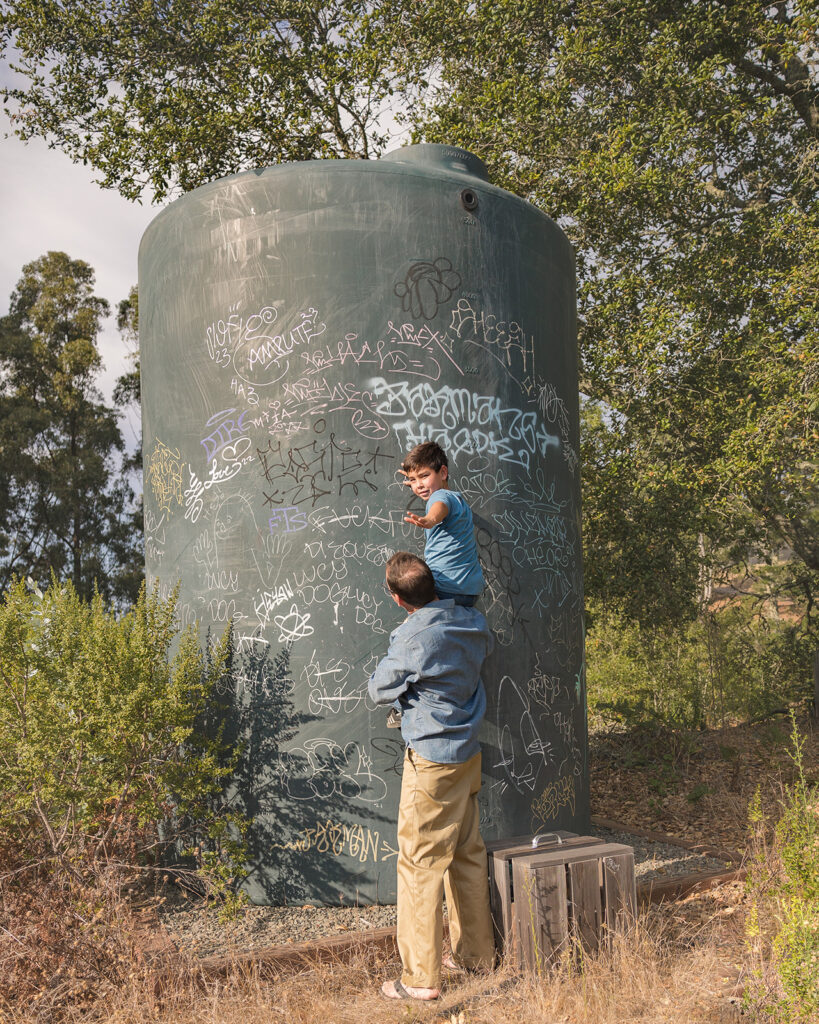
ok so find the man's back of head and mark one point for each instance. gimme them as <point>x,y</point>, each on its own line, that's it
<point>409,578</point>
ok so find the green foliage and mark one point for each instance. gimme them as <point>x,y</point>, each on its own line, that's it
<point>104,757</point>
<point>676,144</point>
<point>786,876</point>
<point>64,504</point>
<point>176,94</point>
<point>726,666</point>
<point>127,390</point>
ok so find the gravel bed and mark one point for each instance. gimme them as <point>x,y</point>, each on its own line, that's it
<point>196,928</point>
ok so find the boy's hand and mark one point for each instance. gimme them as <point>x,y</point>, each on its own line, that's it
<point>423,521</point>
<point>407,481</point>
<point>437,514</point>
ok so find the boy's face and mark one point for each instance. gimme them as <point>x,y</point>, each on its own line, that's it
<point>425,481</point>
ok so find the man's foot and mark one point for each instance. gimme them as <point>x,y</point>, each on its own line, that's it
<point>395,990</point>
<point>449,964</point>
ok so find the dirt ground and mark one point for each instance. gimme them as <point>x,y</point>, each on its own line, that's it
<point>689,962</point>
<point>699,787</point>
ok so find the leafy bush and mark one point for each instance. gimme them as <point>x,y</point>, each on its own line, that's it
<point>784,882</point>
<point>724,666</point>
<point>104,758</point>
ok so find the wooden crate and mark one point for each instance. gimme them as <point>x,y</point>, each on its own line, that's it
<point>572,895</point>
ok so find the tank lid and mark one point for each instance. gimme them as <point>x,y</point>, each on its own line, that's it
<point>433,154</point>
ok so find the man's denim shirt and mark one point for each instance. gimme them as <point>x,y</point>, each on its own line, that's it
<point>432,669</point>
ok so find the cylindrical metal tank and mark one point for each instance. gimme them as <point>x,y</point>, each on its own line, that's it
<point>301,328</point>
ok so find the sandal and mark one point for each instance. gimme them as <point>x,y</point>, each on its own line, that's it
<point>395,990</point>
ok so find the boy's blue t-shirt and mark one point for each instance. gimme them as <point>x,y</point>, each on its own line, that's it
<point>450,551</point>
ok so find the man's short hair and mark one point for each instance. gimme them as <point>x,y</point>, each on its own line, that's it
<point>410,578</point>
<point>427,455</point>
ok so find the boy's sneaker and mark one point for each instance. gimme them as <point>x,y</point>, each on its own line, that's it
<point>394,719</point>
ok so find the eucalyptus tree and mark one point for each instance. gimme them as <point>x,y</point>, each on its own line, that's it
<point>64,506</point>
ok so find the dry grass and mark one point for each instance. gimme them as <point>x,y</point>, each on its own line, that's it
<point>672,968</point>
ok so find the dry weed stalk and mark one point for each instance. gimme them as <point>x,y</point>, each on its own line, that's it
<point>660,974</point>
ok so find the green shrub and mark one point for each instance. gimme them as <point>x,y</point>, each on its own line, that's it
<point>784,881</point>
<point>102,758</point>
<point>725,666</point>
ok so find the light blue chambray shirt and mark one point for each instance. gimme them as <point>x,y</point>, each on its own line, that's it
<point>432,670</point>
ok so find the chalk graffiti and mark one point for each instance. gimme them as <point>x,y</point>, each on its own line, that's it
<point>333,837</point>
<point>318,468</point>
<point>268,600</point>
<point>293,625</point>
<point>226,435</point>
<point>287,520</point>
<point>165,474</point>
<point>258,354</point>
<point>485,331</point>
<point>310,396</point>
<point>544,689</point>
<point>558,794</point>
<point>406,349</point>
<point>222,580</point>
<point>322,768</point>
<point>525,755</point>
<point>427,286</point>
<point>554,410</point>
<point>462,421</point>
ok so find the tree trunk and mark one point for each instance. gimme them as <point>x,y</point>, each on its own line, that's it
<point>816,684</point>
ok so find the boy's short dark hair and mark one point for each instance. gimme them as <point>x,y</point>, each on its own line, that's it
<point>410,578</point>
<point>427,455</point>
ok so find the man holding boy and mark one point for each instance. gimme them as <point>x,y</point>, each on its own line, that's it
<point>432,669</point>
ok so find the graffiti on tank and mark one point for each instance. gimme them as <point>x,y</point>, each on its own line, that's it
<point>256,347</point>
<point>155,537</point>
<point>337,839</point>
<point>287,520</point>
<point>428,284</point>
<point>268,600</point>
<point>227,435</point>
<point>324,769</point>
<point>525,755</point>
<point>559,794</point>
<point>165,474</point>
<point>553,410</point>
<point>316,469</point>
<point>406,349</point>
<point>501,339</point>
<point>546,690</point>
<point>330,689</point>
<point>310,396</point>
<point>421,411</point>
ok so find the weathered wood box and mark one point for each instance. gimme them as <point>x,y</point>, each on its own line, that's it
<point>566,893</point>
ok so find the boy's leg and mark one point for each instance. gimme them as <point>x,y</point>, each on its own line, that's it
<point>467,887</point>
<point>434,800</point>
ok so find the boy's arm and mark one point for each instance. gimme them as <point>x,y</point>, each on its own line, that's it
<point>437,514</point>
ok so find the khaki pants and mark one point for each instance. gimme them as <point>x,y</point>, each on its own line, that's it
<point>440,847</point>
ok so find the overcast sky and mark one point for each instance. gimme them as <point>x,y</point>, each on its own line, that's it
<point>48,203</point>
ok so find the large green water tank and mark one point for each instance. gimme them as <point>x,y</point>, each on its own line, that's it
<point>302,327</point>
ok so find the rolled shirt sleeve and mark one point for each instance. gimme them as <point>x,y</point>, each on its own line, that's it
<point>393,675</point>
